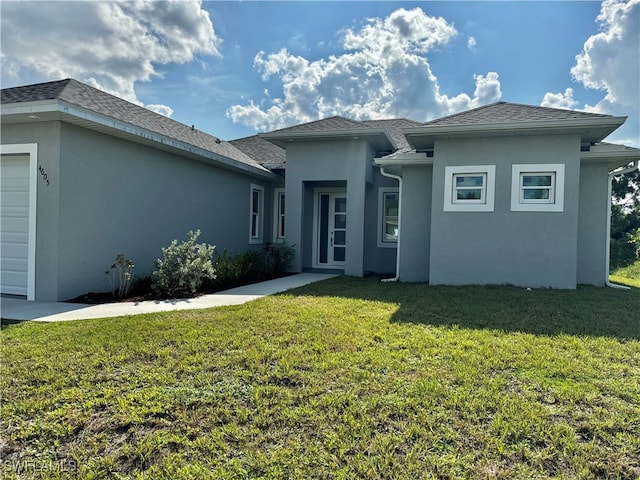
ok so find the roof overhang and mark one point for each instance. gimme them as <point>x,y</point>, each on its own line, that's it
<point>396,162</point>
<point>591,130</point>
<point>378,137</point>
<point>615,156</point>
<point>58,110</point>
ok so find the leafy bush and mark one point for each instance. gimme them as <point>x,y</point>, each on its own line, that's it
<point>277,258</point>
<point>233,270</point>
<point>120,276</point>
<point>184,268</point>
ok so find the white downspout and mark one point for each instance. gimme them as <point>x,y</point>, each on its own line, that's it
<point>615,173</point>
<point>399,179</point>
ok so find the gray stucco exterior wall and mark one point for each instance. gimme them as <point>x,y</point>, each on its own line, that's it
<point>416,224</point>
<point>108,196</point>
<point>47,136</point>
<point>380,260</point>
<point>532,249</point>
<point>338,165</point>
<point>592,223</point>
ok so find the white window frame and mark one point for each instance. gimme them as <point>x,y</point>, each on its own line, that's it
<point>382,192</point>
<point>278,215</point>
<point>487,200</point>
<point>257,236</point>
<point>556,201</point>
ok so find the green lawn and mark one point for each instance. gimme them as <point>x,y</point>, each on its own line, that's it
<point>347,378</point>
<point>629,276</point>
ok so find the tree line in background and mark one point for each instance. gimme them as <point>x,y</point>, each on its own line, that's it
<point>625,220</point>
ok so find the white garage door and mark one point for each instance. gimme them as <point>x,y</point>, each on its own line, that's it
<point>14,223</point>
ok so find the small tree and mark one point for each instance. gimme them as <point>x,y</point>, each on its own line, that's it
<point>184,268</point>
<point>625,219</point>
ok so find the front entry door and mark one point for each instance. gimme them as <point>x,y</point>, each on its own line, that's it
<point>332,229</point>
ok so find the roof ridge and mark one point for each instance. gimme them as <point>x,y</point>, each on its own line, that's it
<point>553,109</point>
<point>508,112</point>
<point>463,112</point>
<point>400,119</point>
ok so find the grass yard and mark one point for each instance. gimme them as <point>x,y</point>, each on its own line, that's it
<point>347,378</point>
<point>629,276</point>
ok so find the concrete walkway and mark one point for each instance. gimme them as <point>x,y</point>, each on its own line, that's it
<point>20,309</point>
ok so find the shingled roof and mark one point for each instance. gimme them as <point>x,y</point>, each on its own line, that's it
<point>503,112</point>
<point>504,118</point>
<point>336,125</point>
<point>394,127</point>
<point>324,125</point>
<point>79,94</point>
<point>262,151</point>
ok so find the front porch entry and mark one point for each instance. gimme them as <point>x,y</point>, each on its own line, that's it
<point>330,228</point>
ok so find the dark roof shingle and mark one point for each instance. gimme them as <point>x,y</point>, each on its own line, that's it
<point>505,112</point>
<point>262,151</point>
<point>392,127</point>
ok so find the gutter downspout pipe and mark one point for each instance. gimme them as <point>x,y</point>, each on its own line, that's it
<point>399,179</point>
<point>615,173</point>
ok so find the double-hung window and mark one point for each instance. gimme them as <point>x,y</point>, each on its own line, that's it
<point>256,213</point>
<point>388,208</point>
<point>469,188</point>
<point>537,188</point>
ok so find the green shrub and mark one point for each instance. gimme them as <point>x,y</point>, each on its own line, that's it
<point>233,270</point>
<point>237,269</point>
<point>184,268</point>
<point>626,249</point>
<point>277,258</point>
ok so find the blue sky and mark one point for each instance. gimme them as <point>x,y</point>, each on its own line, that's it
<point>234,68</point>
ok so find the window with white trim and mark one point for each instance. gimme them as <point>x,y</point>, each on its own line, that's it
<point>278,215</point>
<point>256,213</point>
<point>388,209</point>
<point>469,188</point>
<point>537,187</point>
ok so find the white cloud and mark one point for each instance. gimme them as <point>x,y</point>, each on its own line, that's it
<point>110,45</point>
<point>382,73</point>
<point>560,100</point>
<point>161,109</point>
<point>471,43</point>
<point>610,60</point>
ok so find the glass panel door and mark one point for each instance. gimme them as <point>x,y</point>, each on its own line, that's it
<point>338,229</point>
<point>331,241</point>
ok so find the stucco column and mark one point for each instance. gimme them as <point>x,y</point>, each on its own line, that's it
<point>294,220</point>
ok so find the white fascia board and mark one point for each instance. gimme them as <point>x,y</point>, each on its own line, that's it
<point>612,154</point>
<point>538,126</point>
<point>283,137</point>
<point>26,108</point>
<point>404,159</point>
<point>631,154</point>
<point>109,122</point>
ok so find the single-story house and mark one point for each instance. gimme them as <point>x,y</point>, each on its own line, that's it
<point>86,176</point>
<point>501,194</point>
